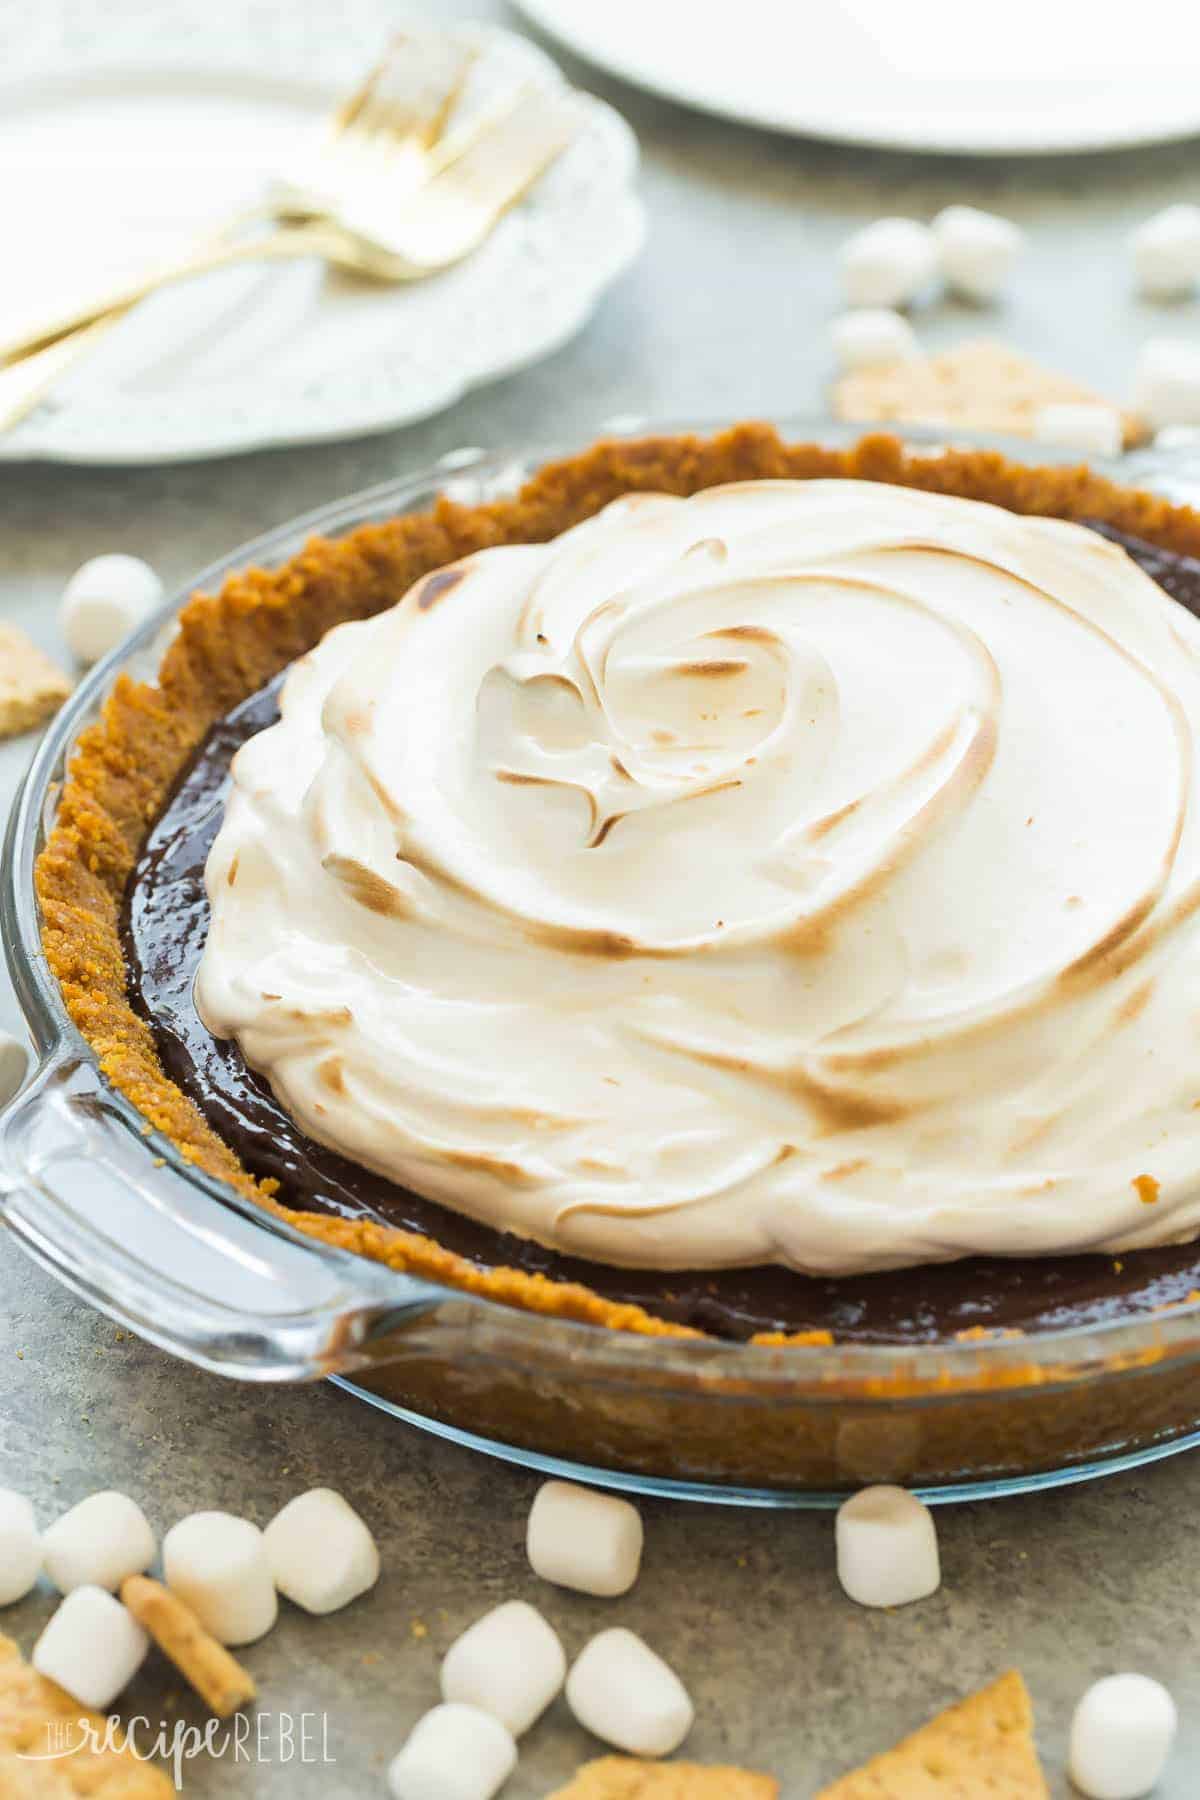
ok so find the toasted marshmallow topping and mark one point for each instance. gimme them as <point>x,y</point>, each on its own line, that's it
<point>804,871</point>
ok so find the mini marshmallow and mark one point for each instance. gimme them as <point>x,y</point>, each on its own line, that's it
<point>320,1553</point>
<point>1177,437</point>
<point>887,1548</point>
<point>217,1564</point>
<point>1084,425</point>
<point>14,1060</point>
<point>871,338</point>
<point>888,263</point>
<point>1121,1737</point>
<point>976,249</point>
<point>20,1547</point>
<point>1167,383</point>
<point>453,1753</point>
<point>622,1692</point>
<point>580,1539</point>
<point>98,1543</point>
<point>104,601</point>
<point>1166,252</point>
<point>510,1663</point>
<point>92,1647</point>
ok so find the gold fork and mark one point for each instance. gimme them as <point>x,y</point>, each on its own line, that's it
<point>390,126</point>
<point>481,175</point>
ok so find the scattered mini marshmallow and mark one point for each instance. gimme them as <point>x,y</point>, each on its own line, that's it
<point>14,1060</point>
<point>320,1553</point>
<point>510,1663</point>
<point>622,1692</point>
<point>1167,382</point>
<point>98,1543</point>
<point>976,250</point>
<point>20,1547</point>
<point>217,1564</point>
<point>104,601</point>
<point>1087,426</point>
<point>580,1539</point>
<point>887,1548</point>
<point>1121,1737</point>
<point>872,337</point>
<point>92,1646</point>
<point>1177,437</point>
<point>454,1753</point>
<point>888,263</point>
<point>1166,252</point>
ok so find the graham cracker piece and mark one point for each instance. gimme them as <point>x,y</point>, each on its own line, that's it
<point>37,1717</point>
<point>217,1677</point>
<point>31,688</point>
<point>980,386</point>
<point>981,1749</point>
<point>619,1778</point>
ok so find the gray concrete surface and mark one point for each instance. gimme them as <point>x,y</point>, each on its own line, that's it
<point>725,314</point>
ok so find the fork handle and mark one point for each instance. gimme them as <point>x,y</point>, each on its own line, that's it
<point>287,242</point>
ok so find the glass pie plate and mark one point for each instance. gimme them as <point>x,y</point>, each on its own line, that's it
<point>113,1211</point>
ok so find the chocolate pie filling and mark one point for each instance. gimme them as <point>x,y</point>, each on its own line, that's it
<point>164,925</point>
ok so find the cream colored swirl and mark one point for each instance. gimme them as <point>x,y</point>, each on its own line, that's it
<point>802,872</point>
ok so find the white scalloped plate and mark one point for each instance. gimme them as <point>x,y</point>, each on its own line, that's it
<point>1020,79</point>
<point>108,165</point>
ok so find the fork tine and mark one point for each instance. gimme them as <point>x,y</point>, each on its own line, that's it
<point>500,162</point>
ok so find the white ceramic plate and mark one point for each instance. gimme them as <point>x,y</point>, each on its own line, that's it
<point>106,167</point>
<point>1030,76</point>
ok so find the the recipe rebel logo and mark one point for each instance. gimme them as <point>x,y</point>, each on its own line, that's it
<point>266,1738</point>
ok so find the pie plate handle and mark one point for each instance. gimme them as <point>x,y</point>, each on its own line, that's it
<point>224,1286</point>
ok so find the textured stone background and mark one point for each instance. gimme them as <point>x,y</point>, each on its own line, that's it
<point>725,314</point>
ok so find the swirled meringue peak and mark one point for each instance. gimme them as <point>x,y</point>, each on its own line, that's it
<point>800,872</point>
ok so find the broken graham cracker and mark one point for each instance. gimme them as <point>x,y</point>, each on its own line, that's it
<point>981,1749</point>
<point>31,688</point>
<point>45,1753</point>
<point>978,387</point>
<point>620,1778</point>
<point>217,1677</point>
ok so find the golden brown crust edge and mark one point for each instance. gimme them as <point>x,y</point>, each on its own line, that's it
<point>231,643</point>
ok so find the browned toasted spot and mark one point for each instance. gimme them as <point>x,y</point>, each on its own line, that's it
<point>233,871</point>
<point>843,1171</point>
<point>663,737</point>
<point>365,886</point>
<point>1147,1189</point>
<point>593,1165</point>
<point>717,667</point>
<point>518,778</point>
<point>618,768</point>
<point>839,1109</point>
<point>318,1015</point>
<point>605,827</point>
<point>1134,1004</point>
<point>431,590</point>
<point>756,634</point>
<point>481,1163</point>
<point>821,828</point>
<point>332,1073</point>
